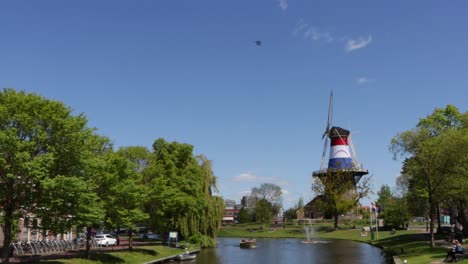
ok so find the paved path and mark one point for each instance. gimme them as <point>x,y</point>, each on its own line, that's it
<point>61,255</point>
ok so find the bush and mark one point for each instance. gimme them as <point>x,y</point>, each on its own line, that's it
<point>202,240</point>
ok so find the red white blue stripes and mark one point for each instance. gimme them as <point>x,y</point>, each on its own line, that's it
<point>340,157</point>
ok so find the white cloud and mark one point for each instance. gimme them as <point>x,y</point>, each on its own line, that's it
<point>283,4</point>
<point>359,43</point>
<point>251,177</point>
<point>311,32</point>
<point>243,193</point>
<point>364,80</point>
<point>300,26</point>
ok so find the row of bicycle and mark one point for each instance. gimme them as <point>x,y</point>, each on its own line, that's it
<point>48,246</point>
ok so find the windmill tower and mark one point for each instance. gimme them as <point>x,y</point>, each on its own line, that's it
<point>342,158</point>
<point>344,170</point>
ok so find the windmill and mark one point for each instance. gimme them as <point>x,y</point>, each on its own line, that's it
<point>342,157</point>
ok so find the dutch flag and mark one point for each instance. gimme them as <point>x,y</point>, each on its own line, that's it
<point>375,208</point>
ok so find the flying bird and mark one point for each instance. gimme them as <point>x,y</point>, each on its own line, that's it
<point>258,42</point>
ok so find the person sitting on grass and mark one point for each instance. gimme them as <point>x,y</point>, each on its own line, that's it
<point>456,249</point>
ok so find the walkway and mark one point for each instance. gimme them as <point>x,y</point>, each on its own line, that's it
<point>75,253</point>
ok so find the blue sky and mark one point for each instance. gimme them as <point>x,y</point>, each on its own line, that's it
<point>190,71</point>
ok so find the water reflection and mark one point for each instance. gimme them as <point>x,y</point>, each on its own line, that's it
<point>290,251</point>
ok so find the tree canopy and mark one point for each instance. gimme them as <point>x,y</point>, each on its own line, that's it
<point>57,173</point>
<point>435,158</point>
<point>340,193</point>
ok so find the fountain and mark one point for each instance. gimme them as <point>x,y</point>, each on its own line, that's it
<point>309,233</point>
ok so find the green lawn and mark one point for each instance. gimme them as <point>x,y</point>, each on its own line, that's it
<point>139,254</point>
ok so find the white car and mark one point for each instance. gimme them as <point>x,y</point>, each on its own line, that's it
<point>105,240</point>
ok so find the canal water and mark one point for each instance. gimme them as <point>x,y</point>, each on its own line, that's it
<point>292,251</point>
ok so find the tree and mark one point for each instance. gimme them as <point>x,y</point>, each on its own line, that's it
<point>290,213</point>
<point>139,156</point>
<point>39,139</point>
<point>243,216</point>
<point>394,210</point>
<point>264,212</point>
<point>179,197</point>
<point>385,196</point>
<point>340,193</point>
<point>434,151</point>
<point>300,203</point>
<point>119,184</point>
<point>396,213</point>
<point>271,193</point>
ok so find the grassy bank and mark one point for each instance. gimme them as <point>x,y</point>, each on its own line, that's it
<point>411,245</point>
<point>140,254</point>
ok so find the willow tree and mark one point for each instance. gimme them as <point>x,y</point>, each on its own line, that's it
<point>179,196</point>
<point>213,206</point>
<point>39,139</point>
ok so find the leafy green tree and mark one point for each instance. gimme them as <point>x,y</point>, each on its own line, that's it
<point>180,193</point>
<point>212,214</point>
<point>394,210</point>
<point>119,184</point>
<point>341,193</point>
<point>39,139</point>
<point>243,216</point>
<point>290,213</point>
<point>396,213</point>
<point>264,212</point>
<point>434,152</point>
<point>384,197</point>
<point>66,202</point>
<point>271,193</point>
<point>139,156</point>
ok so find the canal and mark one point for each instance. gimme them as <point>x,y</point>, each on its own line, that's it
<point>292,251</point>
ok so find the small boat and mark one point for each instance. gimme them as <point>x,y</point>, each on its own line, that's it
<point>248,243</point>
<point>186,256</point>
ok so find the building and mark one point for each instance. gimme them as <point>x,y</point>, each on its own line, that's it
<point>229,203</point>
<point>230,215</point>
<point>313,209</point>
<point>249,202</point>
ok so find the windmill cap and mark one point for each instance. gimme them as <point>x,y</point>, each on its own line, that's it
<point>338,132</point>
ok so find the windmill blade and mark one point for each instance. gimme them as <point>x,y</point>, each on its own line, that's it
<point>330,111</point>
<point>330,116</point>
<point>325,145</point>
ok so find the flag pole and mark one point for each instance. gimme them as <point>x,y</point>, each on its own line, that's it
<point>377,222</point>
<point>370,219</point>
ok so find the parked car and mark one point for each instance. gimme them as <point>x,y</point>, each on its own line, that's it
<point>151,236</point>
<point>105,240</point>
